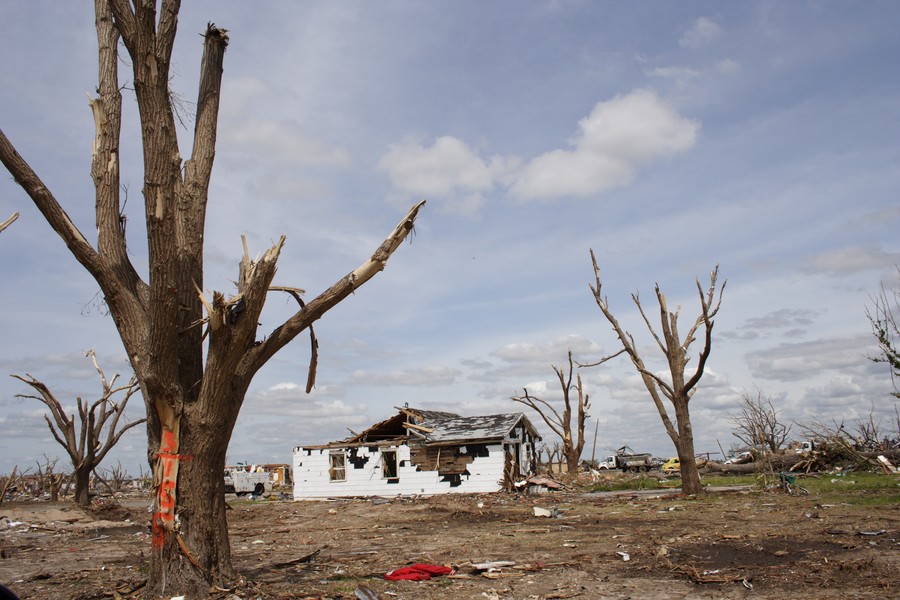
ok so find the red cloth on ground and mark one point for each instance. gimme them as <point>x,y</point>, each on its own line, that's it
<point>418,572</point>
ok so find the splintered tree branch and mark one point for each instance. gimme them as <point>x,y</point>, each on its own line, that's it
<point>257,356</point>
<point>379,258</point>
<point>313,342</point>
<point>9,221</point>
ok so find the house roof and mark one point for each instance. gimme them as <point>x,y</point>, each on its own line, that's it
<point>437,428</point>
<point>448,427</point>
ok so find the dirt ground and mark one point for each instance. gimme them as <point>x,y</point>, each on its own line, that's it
<point>735,544</point>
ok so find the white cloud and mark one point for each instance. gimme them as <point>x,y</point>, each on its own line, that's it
<point>616,138</point>
<point>851,259</point>
<point>526,359</point>
<point>554,350</point>
<point>447,170</point>
<point>704,31</point>
<point>612,142</point>
<point>423,376</point>
<point>809,360</point>
<point>780,319</point>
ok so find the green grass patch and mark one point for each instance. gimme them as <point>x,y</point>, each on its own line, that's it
<point>859,488</point>
<point>748,479</point>
<point>640,482</point>
<point>862,499</point>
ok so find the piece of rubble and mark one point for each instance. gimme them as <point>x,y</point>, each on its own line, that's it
<point>886,464</point>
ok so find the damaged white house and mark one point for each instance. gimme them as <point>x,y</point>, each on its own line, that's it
<point>420,452</point>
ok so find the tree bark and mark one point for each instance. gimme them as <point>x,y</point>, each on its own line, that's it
<point>82,485</point>
<point>197,555</point>
<point>690,476</point>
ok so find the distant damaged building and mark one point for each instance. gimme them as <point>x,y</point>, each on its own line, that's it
<point>420,452</point>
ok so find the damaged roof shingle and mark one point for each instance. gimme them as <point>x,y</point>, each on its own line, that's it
<point>446,427</point>
<point>437,427</point>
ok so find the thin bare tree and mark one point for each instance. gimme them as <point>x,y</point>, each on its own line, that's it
<point>680,386</point>
<point>883,316</point>
<point>573,405</point>
<point>49,481</point>
<point>194,357</point>
<point>88,437</point>
<point>568,425</point>
<point>757,424</point>
<point>8,482</point>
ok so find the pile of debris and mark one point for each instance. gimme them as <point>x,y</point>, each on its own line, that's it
<point>841,454</point>
<point>826,456</point>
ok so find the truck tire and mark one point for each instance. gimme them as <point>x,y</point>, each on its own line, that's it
<point>259,489</point>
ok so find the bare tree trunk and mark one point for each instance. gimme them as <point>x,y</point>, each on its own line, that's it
<point>690,476</point>
<point>82,486</point>
<point>198,554</point>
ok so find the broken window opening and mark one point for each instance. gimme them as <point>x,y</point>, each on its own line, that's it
<point>338,466</point>
<point>454,479</point>
<point>358,461</point>
<point>389,464</point>
<point>474,451</point>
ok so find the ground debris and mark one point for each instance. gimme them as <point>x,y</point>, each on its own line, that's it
<point>311,553</point>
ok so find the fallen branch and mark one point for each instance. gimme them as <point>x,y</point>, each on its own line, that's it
<point>290,563</point>
<point>696,576</point>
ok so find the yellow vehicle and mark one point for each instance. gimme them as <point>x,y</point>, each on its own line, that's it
<point>673,465</point>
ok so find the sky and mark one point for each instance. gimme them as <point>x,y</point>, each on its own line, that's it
<point>669,138</point>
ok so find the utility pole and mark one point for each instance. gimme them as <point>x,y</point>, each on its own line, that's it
<point>594,451</point>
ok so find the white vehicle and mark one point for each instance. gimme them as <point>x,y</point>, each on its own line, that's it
<point>240,481</point>
<point>806,447</point>
<point>740,459</point>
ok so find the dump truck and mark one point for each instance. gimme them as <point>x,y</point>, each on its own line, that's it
<point>240,481</point>
<point>626,460</point>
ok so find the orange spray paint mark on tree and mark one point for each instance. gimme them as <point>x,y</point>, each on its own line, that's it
<point>167,468</point>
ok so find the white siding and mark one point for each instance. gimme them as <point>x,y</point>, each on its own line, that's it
<point>312,479</point>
